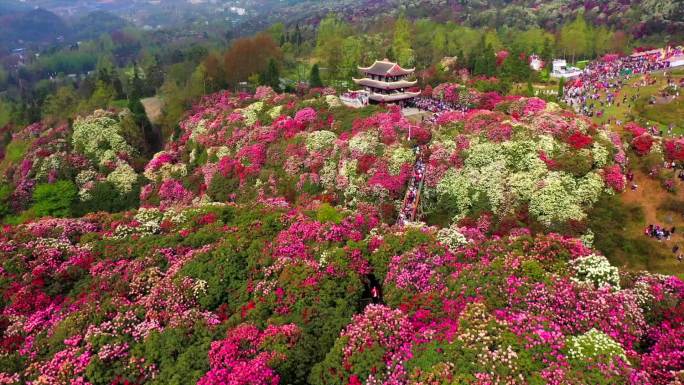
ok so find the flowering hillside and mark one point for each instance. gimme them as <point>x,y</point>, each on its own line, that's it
<point>520,158</point>
<point>220,293</point>
<point>261,246</point>
<point>94,161</point>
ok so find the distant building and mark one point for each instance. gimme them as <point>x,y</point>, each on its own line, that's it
<point>560,69</point>
<point>536,63</point>
<point>386,82</point>
<point>676,61</point>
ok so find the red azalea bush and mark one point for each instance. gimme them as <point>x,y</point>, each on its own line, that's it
<point>674,149</point>
<point>247,355</point>
<point>642,144</point>
<point>613,177</point>
<point>579,140</point>
<point>634,129</point>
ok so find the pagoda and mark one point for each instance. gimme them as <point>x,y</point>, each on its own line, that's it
<point>385,82</point>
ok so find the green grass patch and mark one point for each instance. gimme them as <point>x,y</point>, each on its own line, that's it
<point>16,150</point>
<point>5,115</point>
<point>666,114</point>
<point>120,103</point>
<point>611,220</point>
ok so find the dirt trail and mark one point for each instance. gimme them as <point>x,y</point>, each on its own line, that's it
<point>153,108</point>
<point>649,195</point>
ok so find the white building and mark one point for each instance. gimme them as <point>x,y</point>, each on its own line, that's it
<point>676,61</point>
<point>560,69</point>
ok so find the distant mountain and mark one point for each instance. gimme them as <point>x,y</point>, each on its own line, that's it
<point>640,17</point>
<point>36,25</point>
<point>42,26</point>
<point>96,23</point>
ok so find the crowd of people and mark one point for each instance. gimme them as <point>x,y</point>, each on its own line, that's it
<point>430,104</point>
<point>663,233</point>
<point>412,198</point>
<point>659,233</point>
<point>600,84</point>
<point>436,107</point>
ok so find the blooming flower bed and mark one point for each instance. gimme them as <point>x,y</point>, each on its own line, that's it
<point>265,252</point>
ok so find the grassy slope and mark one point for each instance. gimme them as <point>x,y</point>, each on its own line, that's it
<point>631,248</point>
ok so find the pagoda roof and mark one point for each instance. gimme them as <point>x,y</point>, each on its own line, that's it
<point>386,68</point>
<point>385,85</point>
<point>392,97</point>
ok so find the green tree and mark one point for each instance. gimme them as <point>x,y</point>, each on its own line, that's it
<point>61,105</point>
<point>401,42</point>
<point>491,38</point>
<point>352,51</point>
<point>104,69</point>
<point>102,96</point>
<point>196,86</point>
<point>174,107</point>
<point>331,34</point>
<point>315,77</point>
<point>574,38</point>
<point>530,89</point>
<point>155,74</point>
<point>54,199</point>
<point>547,53</point>
<point>3,78</point>
<point>271,77</point>
<point>277,32</point>
<point>533,40</point>
<point>561,88</point>
<point>5,193</point>
<point>464,39</point>
<point>439,44</point>
<point>106,197</point>
<point>483,60</point>
<point>136,128</point>
<point>600,41</point>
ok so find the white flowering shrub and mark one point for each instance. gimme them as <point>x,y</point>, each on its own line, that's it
<point>320,140</point>
<point>333,101</point>
<point>600,154</point>
<point>53,162</point>
<point>199,129</point>
<point>365,143</point>
<point>97,136</point>
<point>588,238</point>
<point>451,237</point>
<point>167,171</point>
<point>399,156</point>
<point>251,112</point>
<point>219,152</point>
<point>556,200</point>
<point>123,178</point>
<point>502,177</point>
<point>149,223</point>
<point>328,174</point>
<point>593,344</point>
<point>596,270</point>
<point>274,112</point>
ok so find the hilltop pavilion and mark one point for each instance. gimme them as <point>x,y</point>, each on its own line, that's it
<point>386,82</point>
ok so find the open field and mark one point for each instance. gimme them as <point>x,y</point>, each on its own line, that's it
<point>651,199</point>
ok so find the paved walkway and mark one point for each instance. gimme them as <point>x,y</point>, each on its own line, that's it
<point>411,202</point>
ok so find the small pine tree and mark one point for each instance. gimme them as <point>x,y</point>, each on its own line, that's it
<point>271,77</point>
<point>315,77</point>
<point>561,87</point>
